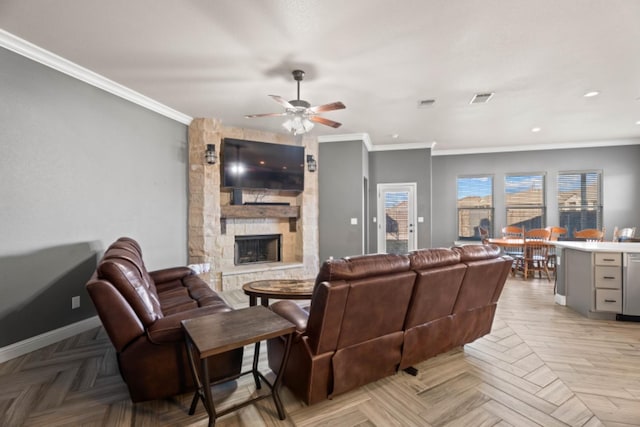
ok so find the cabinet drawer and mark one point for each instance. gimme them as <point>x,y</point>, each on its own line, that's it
<point>608,258</point>
<point>609,300</point>
<point>608,277</point>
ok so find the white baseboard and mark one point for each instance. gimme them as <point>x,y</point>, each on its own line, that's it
<point>34,343</point>
<point>560,299</point>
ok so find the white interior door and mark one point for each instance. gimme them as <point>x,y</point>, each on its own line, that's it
<point>396,218</point>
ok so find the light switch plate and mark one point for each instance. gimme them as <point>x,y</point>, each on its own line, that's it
<point>420,219</point>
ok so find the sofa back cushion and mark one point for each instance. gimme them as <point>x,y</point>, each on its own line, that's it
<point>126,272</point>
<point>376,306</point>
<point>484,278</point>
<point>361,266</point>
<point>440,275</point>
<point>477,252</point>
<point>359,298</point>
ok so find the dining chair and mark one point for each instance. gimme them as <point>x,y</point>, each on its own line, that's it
<point>590,234</point>
<point>514,251</point>
<point>484,234</point>
<point>512,232</point>
<point>555,233</point>
<point>620,234</point>
<point>536,253</point>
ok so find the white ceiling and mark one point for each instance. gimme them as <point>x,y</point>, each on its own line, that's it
<point>222,58</point>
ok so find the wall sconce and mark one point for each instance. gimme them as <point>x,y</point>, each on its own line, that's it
<point>210,154</point>
<point>311,163</point>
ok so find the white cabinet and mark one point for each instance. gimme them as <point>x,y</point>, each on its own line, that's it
<point>607,281</point>
<point>608,258</point>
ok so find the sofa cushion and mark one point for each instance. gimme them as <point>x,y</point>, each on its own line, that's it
<point>119,268</point>
<point>431,258</point>
<point>477,252</point>
<point>361,266</point>
<point>375,306</point>
<point>434,294</point>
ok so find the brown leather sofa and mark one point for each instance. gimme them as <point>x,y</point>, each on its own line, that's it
<point>371,315</point>
<point>141,312</point>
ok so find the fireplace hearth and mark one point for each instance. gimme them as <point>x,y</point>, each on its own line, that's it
<point>255,249</point>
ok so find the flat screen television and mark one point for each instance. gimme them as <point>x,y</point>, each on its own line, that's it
<point>262,165</point>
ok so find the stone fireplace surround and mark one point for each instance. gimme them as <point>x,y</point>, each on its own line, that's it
<point>211,238</point>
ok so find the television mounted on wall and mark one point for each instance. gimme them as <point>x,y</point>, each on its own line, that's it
<point>262,165</point>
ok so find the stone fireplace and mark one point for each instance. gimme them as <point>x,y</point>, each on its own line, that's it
<point>255,249</point>
<point>215,226</point>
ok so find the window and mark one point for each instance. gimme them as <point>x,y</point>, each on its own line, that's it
<point>475,206</point>
<point>525,201</point>
<point>580,200</point>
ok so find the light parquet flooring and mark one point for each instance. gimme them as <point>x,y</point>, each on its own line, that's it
<point>542,365</point>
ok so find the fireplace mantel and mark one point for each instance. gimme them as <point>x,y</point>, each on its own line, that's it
<point>259,211</point>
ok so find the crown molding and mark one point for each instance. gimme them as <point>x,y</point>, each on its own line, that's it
<point>538,147</point>
<point>407,146</point>
<point>58,63</point>
<point>364,137</point>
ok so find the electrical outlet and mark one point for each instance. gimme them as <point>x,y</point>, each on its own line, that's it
<point>75,302</point>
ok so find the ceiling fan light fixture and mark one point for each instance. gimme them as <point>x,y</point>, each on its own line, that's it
<point>298,125</point>
<point>302,115</point>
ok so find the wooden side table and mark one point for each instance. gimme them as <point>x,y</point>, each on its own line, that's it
<point>217,333</point>
<point>278,289</point>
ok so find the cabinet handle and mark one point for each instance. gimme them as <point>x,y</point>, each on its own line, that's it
<point>608,277</point>
<point>608,259</point>
<point>610,300</point>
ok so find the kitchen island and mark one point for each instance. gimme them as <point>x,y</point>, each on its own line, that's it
<point>600,280</point>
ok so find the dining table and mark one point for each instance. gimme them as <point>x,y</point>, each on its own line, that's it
<point>515,248</point>
<point>506,242</point>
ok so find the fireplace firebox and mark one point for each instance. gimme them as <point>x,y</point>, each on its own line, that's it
<point>257,249</point>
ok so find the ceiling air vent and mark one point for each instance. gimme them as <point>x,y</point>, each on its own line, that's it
<point>481,98</point>
<point>426,103</point>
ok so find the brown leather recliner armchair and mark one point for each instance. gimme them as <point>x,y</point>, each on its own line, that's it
<point>141,312</point>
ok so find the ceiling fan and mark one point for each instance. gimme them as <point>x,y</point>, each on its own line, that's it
<point>302,115</point>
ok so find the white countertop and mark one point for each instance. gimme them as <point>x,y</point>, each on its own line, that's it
<point>600,246</point>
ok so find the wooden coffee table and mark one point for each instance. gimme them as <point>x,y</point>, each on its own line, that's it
<point>278,289</point>
<point>217,333</point>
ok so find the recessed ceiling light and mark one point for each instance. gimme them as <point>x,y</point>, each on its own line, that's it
<point>638,122</point>
<point>591,94</point>
<point>536,129</point>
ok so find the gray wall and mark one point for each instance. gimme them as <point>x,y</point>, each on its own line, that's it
<point>620,177</point>
<point>341,171</point>
<point>78,168</point>
<point>388,167</point>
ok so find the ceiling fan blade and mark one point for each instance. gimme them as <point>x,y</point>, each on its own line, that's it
<point>328,107</point>
<point>251,116</point>
<point>280,100</point>
<point>326,122</point>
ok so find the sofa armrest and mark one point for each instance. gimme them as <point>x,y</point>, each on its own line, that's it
<point>118,318</point>
<point>168,329</point>
<point>170,274</point>
<point>293,313</point>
